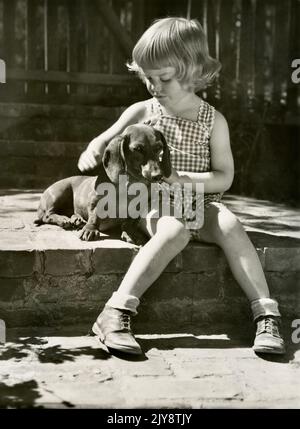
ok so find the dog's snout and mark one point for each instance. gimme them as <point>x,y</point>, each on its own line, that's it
<point>156,176</point>
<point>152,171</point>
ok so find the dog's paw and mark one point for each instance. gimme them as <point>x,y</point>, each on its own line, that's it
<point>136,238</point>
<point>77,221</point>
<point>64,222</point>
<point>126,237</point>
<point>89,234</point>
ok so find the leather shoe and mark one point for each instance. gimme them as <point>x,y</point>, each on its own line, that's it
<point>113,329</point>
<point>268,338</point>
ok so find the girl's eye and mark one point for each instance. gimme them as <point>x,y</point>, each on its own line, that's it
<point>165,80</point>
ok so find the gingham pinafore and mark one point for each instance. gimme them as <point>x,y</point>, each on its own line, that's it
<point>189,141</point>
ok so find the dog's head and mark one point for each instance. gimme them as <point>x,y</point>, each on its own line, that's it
<point>140,152</point>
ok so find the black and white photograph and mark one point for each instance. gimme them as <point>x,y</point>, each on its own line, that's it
<point>149,207</point>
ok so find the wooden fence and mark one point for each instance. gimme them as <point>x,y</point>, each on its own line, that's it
<point>75,50</point>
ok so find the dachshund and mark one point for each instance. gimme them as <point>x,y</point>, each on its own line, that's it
<point>140,154</point>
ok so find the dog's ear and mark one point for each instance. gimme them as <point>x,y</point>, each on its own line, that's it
<point>114,158</point>
<point>166,160</point>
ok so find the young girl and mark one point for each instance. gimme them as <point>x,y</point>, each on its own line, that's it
<point>172,60</point>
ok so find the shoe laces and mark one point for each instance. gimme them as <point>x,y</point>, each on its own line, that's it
<point>268,325</point>
<point>125,321</point>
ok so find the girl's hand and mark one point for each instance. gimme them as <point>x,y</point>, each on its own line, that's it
<point>88,160</point>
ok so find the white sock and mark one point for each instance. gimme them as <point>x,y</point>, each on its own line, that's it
<point>124,302</point>
<point>264,307</point>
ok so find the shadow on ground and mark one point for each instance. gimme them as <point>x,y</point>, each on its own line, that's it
<point>233,339</point>
<point>57,354</point>
<point>20,395</point>
<point>207,337</point>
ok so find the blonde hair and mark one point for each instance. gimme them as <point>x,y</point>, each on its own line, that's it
<point>179,43</point>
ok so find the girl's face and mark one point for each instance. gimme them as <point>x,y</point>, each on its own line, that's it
<point>162,84</point>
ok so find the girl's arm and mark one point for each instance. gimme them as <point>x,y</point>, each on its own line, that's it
<point>92,156</point>
<point>220,178</point>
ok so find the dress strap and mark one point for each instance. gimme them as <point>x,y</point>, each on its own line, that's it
<point>206,115</point>
<point>153,107</point>
<point>153,110</point>
<point>157,107</point>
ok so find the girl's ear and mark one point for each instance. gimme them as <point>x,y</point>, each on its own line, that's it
<point>113,158</point>
<point>166,160</point>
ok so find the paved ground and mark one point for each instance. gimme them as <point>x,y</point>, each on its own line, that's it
<point>216,368</point>
<point>55,369</point>
<point>18,210</point>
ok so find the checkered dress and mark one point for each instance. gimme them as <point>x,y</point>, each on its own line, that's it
<point>189,141</point>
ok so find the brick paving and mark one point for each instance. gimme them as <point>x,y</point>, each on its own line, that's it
<point>57,369</point>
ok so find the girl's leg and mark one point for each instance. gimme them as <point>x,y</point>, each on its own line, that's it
<point>168,238</point>
<point>223,228</point>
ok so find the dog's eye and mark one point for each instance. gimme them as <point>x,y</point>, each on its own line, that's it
<point>138,149</point>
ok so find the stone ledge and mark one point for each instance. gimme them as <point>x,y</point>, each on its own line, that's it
<point>50,277</point>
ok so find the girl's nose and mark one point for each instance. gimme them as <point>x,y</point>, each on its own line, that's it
<point>155,87</point>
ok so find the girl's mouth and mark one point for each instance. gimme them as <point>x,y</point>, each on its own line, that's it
<point>159,95</point>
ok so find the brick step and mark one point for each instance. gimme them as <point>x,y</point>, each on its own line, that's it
<point>54,122</point>
<point>69,286</point>
<point>49,277</point>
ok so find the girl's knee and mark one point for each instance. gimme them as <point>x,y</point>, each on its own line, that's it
<point>225,225</point>
<point>173,230</point>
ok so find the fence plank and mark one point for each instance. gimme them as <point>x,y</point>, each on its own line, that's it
<point>138,25</point>
<point>8,54</point>
<point>97,53</point>
<point>197,11</point>
<point>153,10</point>
<point>281,55</point>
<point>112,21</point>
<point>269,36</point>
<point>217,9</point>
<point>260,25</point>
<point>73,10</point>
<point>8,33</point>
<point>94,34</point>
<point>227,75</point>
<point>128,18</point>
<point>20,32</point>
<point>54,44</point>
<point>236,50</point>
<point>247,58</point>
<point>1,29</point>
<point>63,36</point>
<point>204,16</point>
<point>293,90</point>
<point>211,27</point>
<point>78,43</point>
<point>119,57</point>
<point>35,43</point>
